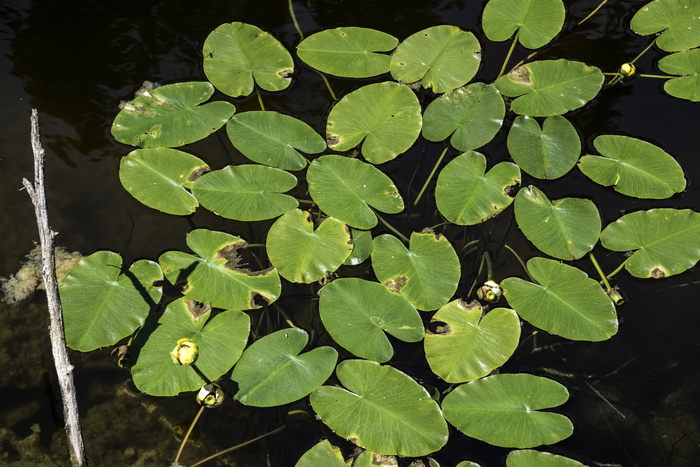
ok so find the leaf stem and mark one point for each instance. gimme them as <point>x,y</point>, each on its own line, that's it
<point>619,268</point>
<point>489,266</point>
<point>592,13</point>
<point>391,227</point>
<point>658,76</point>
<point>238,446</point>
<point>522,263</point>
<point>510,52</point>
<point>600,272</point>
<point>262,105</point>
<point>430,177</point>
<point>294,19</point>
<point>187,435</point>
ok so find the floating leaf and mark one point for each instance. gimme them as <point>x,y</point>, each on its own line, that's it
<point>468,464</point>
<point>564,301</point>
<point>678,19</point>
<point>634,167</point>
<point>665,241</point>
<point>536,22</point>
<point>246,192</point>
<point>426,274</point>
<point>548,152</point>
<point>565,228</point>
<point>273,139</point>
<point>357,313</point>
<point>386,116</point>
<point>302,254</point>
<point>550,87</point>
<point>531,458</point>
<point>372,459</point>
<point>171,116</point>
<point>216,276</point>
<point>350,52</point>
<point>443,57</point>
<point>687,64</point>
<point>102,304</point>
<point>505,410</point>
<point>323,453</point>
<point>466,195</point>
<point>395,417</point>
<point>273,372</point>
<point>362,247</point>
<point>345,188</point>
<point>465,346</point>
<point>237,56</point>
<point>220,341</point>
<point>472,115</point>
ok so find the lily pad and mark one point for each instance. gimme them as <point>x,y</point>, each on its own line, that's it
<point>362,246</point>
<point>466,346</point>
<point>633,167</point>
<point>357,313</point>
<point>532,458</point>
<point>535,22</point>
<point>441,57</point>
<point>563,301</point>
<point>665,241</point>
<point>677,20</point>
<point>323,453</point>
<point>506,410</point>
<point>171,116</point>
<point>384,117</point>
<point>237,56</point>
<point>686,64</point>
<point>466,194</point>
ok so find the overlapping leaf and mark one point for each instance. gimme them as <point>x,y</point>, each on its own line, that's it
<point>532,458</point>
<point>535,22</point>
<point>678,21</point>
<point>362,246</point>
<point>322,453</point>
<point>686,64</point>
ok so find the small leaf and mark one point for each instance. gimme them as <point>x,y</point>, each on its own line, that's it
<point>678,19</point>
<point>686,64</point>
<point>362,247</point>
<point>531,458</point>
<point>536,22</point>
<point>323,453</point>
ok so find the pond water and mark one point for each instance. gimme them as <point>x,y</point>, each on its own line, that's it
<point>634,399</point>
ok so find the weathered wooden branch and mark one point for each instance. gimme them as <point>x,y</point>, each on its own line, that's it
<point>64,369</point>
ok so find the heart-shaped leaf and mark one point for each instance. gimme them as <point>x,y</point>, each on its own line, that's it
<point>677,20</point>
<point>466,194</point>
<point>465,346</point>
<point>323,453</point>
<point>532,458</point>
<point>536,22</point>
<point>686,64</point>
<point>357,313</point>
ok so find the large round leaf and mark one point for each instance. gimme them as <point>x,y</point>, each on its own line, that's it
<point>237,56</point>
<point>565,228</point>
<point>665,241</point>
<point>323,453</point>
<point>466,346</point>
<point>345,188</point>
<point>686,64</point>
<point>216,276</point>
<point>443,57</point>
<point>472,115</point>
<point>465,194</point>
<point>171,116</point>
<point>350,52</point>
<point>633,167</point>
<point>678,19</point>
<point>548,152</point>
<point>102,304</point>
<point>550,87</point>
<point>506,410</point>
<point>220,341</point>
<point>273,139</point>
<point>158,177</point>
<point>382,409</point>
<point>386,116</point>
<point>427,273</point>
<point>564,301</point>
<point>537,22</point>
<point>273,372</point>
<point>532,458</point>
<point>302,254</point>
<point>246,192</point>
<point>357,313</point>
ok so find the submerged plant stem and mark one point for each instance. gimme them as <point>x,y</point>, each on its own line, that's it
<point>430,177</point>
<point>522,263</point>
<point>592,13</point>
<point>187,435</point>
<point>262,104</point>
<point>600,271</point>
<point>233,448</point>
<point>391,227</point>
<point>294,19</point>
<point>510,52</point>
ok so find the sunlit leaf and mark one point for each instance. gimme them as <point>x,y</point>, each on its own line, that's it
<point>537,22</point>
<point>677,20</point>
<point>687,65</point>
<point>323,453</point>
<point>531,458</point>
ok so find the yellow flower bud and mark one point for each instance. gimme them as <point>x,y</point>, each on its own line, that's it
<point>628,70</point>
<point>185,352</point>
<point>211,395</point>
<point>489,292</point>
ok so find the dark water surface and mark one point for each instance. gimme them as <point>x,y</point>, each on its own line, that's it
<point>635,399</point>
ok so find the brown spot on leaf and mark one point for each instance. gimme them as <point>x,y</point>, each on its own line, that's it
<point>230,254</point>
<point>198,173</point>
<point>658,273</point>
<point>474,304</point>
<point>197,309</point>
<point>286,72</point>
<point>439,327</point>
<point>510,189</point>
<point>521,75</point>
<point>332,140</point>
<point>396,284</point>
<point>430,231</point>
<point>353,439</point>
<point>384,461</point>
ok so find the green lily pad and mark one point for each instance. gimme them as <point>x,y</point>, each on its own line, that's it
<point>171,116</point>
<point>384,117</point>
<point>633,167</point>
<point>350,52</point>
<point>427,273</point>
<point>472,115</point>
<point>348,189</point>
<point>237,56</point>
<point>220,341</point>
<point>677,20</point>
<point>273,139</point>
<point>102,304</point>
<point>362,247</point>
<point>273,372</point>
<point>532,458</point>
<point>396,417</point>
<point>466,194</point>
<point>302,254</point>
<point>246,192</point>
<point>550,87</point>
<point>565,228</point>
<point>357,313</point>
<point>548,152</point>
<point>466,346</point>
<point>686,64</point>
<point>443,57</point>
<point>216,276</point>
<point>323,453</point>
<point>564,301</point>
<point>506,410</point>
<point>372,459</point>
<point>665,241</point>
<point>536,22</point>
